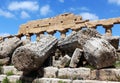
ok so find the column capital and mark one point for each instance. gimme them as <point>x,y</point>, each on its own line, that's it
<point>107,26</point>
<point>108,30</point>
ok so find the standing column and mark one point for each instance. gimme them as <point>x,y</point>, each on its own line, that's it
<point>63,34</point>
<point>108,30</point>
<point>37,37</point>
<point>1,39</point>
<point>51,33</point>
<point>28,37</point>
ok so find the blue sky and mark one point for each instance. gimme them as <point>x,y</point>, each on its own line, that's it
<point>13,13</point>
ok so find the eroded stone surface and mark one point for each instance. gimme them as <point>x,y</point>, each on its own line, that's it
<point>99,53</point>
<point>74,73</point>
<point>76,57</point>
<point>8,47</point>
<point>31,56</point>
<point>106,74</point>
<point>50,72</point>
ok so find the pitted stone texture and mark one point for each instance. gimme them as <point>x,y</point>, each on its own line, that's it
<point>93,81</point>
<point>74,73</point>
<point>50,72</point>
<point>32,56</point>
<point>5,61</point>
<point>99,53</point>
<point>51,80</point>
<point>6,69</point>
<point>56,63</point>
<point>113,40</point>
<point>77,39</point>
<point>76,57</point>
<point>65,61</point>
<point>106,74</point>
<point>14,78</point>
<point>24,42</point>
<point>8,47</point>
<point>2,77</point>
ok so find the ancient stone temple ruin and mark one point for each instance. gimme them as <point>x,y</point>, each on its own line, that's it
<point>85,56</point>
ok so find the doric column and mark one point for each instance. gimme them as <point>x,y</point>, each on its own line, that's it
<point>28,36</point>
<point>63,34</point>
<point>1,39</point>
<point>108,30</point>
<point>37,36</point>
<point>51,33</point>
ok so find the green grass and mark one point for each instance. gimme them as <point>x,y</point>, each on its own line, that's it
<point>91,67</point>
<point>117,64</point>
<point>18,81</point>
<point>9,73</point>
<point>61,81</point>
<point>6,80</point>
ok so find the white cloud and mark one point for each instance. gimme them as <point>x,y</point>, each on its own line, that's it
<point>62,1</point>
<point>24,5</point>
<point>6,14</point>
<point>90,16</point>
<point>114,2</point>
<point>79,9</point>
<point>45,10</point>
<point>24,15</point>
<point>84,9</point>
<point>4,34</point>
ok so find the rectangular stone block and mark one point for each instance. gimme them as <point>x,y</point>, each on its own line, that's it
<point>51,80</point>
<point>74,73</point>
<point>7,69</point>
<point>50,72</point>
<point>14,78</point>
<point>92,81</point>
<point>106,74</point>
<point>2,77</point>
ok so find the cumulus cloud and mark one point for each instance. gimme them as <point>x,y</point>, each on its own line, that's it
<point>62,1</point>
<point>114,2</point>
<point>4,34</point>
<point>24,5</point>
<point>90,16</point>
<point>6,14</point>
<point>24,15</point>
<point>45,10</point>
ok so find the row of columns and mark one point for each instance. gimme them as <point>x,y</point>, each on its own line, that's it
<point>108,32</point>
<point>28,36</point>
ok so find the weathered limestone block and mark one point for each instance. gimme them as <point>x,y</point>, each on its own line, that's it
<point>32,56</point>
<point>77,39</point>
<point>86,34</point>
<point>24,42</point>
<point>7,69</point>
<point>2,77</point>
<point>92,81</point>
<point>99,53</point>
<point>106,74</point>
<point>65,61</point>
<point>14,78</point>
<point>56,63</point>
<point>74,73</point>
<point>5,61</point>
<point>69,43</point>
<point>113,40</point>
<point>8,46</point>
<point>51,80</point>
<point>76,57</point>
<point>50,72</point>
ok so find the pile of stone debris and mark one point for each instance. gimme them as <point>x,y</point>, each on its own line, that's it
<point>78,49</point>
